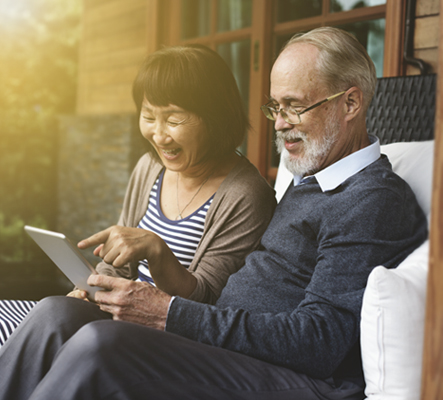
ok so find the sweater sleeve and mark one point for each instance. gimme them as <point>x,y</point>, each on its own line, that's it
<point>234,227</point>
<point>316,336</point>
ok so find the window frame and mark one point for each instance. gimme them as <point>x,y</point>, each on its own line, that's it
<point>262,32</point>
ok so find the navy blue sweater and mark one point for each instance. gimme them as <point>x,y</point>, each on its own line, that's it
<point>296,303</point>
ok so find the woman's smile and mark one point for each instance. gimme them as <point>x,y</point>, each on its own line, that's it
<point>170,154</point>
<point>179,137</point>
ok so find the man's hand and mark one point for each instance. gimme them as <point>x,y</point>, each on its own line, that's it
<point>119,245</point>
<point>131,301</point>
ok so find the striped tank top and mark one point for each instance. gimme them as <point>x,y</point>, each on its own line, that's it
<point>182,236</point>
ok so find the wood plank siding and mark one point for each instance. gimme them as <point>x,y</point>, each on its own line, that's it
<point>426,35</point>
<point>116,36</point>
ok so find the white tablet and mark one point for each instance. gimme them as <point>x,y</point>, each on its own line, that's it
<point>66,256</point>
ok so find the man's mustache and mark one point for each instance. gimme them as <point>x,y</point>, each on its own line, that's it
<point>290,135</point>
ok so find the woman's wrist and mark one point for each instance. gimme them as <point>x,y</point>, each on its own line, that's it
<point>159,255</point>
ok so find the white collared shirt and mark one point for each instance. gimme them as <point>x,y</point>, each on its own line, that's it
<point>333,176</point>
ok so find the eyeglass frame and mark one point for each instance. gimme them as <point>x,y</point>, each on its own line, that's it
<point>268,111</point>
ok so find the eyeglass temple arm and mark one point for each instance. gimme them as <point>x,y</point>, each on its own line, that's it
<point>323,101</point>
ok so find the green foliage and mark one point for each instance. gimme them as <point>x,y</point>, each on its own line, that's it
<point>38,69</point>
<point>15,245</point>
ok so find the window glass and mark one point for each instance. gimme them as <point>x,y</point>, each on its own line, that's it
<point>237,56</point>
<point>290,10</point>
<point>370,34</point>
<point>195,18</point>
<point>233,14</point>
<point>346,5</point>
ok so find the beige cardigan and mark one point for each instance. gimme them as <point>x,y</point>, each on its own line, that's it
<point>235,222</point>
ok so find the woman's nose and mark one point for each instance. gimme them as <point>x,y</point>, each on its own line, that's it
<point>161,135</point>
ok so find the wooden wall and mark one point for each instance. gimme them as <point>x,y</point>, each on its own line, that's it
<point>116,36</point>
<point>426,34</point>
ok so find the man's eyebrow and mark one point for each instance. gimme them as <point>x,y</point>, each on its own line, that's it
<point>287,98</point>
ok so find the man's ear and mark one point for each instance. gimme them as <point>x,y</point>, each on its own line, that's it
<point>353,103</point>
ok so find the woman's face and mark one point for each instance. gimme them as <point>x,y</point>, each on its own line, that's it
<point>179,137</point>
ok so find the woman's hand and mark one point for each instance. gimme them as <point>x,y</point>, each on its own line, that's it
<point>119,245</point>
<point>126,300</point>
<point>78,294</point>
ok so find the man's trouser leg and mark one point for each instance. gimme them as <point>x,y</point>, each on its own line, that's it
<point>116,360</point>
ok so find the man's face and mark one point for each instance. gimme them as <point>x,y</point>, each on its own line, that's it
<point>315,148</point>
<point>306,148</point>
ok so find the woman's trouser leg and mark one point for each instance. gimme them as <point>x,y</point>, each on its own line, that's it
<point>122,361</point>
<point>28,354</point>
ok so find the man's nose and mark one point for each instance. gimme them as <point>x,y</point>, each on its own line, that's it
<point>280,124</point>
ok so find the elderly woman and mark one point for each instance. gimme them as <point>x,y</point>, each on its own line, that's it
<point>194,207</point>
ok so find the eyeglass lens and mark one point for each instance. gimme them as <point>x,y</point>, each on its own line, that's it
<point>290,117</point>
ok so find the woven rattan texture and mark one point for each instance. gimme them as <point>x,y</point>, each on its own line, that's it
<point>403,109</point>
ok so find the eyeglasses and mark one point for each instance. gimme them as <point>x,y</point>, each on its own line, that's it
<point>290,114</point>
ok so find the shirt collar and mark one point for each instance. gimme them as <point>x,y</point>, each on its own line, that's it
<point>334,175</point>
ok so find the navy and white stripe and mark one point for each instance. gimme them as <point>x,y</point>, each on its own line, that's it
<point>12,312</point>
<point>182,236</point>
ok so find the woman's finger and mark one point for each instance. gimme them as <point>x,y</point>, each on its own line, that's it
<point>97,250</point>
<point>78,294</point>
<point>97,238</point>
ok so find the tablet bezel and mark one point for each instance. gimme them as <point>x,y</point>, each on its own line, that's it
<point>66,256</point>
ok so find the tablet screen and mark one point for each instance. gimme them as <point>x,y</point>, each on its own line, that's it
<point>66,256</point>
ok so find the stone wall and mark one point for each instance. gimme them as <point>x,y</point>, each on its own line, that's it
<point>96,157</point>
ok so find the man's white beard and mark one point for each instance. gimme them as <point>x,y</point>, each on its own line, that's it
<point>314,150</point>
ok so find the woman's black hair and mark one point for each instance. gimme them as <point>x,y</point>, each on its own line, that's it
<point>198,80</point>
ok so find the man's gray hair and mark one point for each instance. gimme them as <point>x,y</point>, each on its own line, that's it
<point>343,61</point>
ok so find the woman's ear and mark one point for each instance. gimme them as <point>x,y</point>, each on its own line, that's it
<point>353,103</point>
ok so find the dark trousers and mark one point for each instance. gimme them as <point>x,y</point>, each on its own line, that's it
<point>69,349</point>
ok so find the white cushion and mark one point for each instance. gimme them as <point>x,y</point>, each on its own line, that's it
<point>414,161</point>
<point>392,324</point>
<point>392,328</point>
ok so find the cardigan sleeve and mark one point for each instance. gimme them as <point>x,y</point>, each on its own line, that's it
<point>235,223</point>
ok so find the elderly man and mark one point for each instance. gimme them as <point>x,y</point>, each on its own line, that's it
<point>287,324</point>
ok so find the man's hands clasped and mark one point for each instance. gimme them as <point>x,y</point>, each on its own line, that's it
<point>126,300</point>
